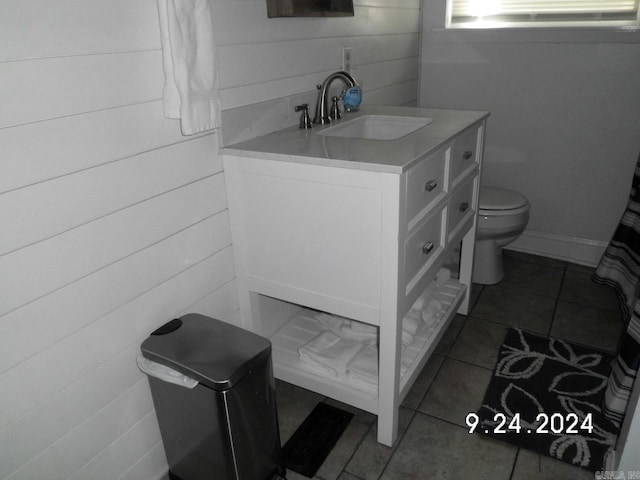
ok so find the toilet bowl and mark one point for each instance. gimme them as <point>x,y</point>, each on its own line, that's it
<point>502,217</point>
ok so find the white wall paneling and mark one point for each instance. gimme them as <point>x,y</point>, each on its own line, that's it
<point>41,28</point>
<point>44,150</point>
<point>97,192</point>
<point>43,267</point>
<point>81,303</point>
<point>41,89</point>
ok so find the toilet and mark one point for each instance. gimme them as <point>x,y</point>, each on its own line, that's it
<point>502,217</point>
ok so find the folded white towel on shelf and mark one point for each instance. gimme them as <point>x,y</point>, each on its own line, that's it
<point>432,313</point>
<point>332,323</point>
<point>363,369</point>
<point>349,329</point>
<point>362,332</point>
<point>443,276</point>
<point>362,327</point>
<point>364,366</point>
<point>410,325</point>
<point>330,352</point>
<point>189,61</point>
<point>423,300</point>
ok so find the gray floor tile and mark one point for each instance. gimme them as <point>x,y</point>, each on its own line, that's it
<point>532,278</point>
<point>587,325</point>
<point>347,476</point>
<point>344,449</point>
<point>515,308</point>
<point>476,290</point>
<point>513,256</point>
<point>436,450</point>
<point>294,404</point>
<point>574,267</point>
<point>479,342</point>
<point>578,287</point>
<point>531,466</point>
<point>371,457</point>
<point>422,383</point>
<point>457,390</point>
<point>291,475</point>
<point>449,337</point>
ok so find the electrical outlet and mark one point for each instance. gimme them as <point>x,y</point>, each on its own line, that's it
<point>346,59</point>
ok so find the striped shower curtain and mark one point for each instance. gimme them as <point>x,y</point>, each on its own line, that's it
<point>620,269</point>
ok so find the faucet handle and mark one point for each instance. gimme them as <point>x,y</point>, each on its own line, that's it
<point>305,120</point>
<point>335,110</point>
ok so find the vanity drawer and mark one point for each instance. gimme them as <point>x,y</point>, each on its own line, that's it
<point>423,247</point>
<point>464,154</point>
<point>460,208</point>
<point>425,184</point>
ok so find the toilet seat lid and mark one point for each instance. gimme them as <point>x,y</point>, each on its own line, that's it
<point>493,198</point>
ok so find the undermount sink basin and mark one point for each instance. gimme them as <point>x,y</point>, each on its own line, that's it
<point>377,127</point>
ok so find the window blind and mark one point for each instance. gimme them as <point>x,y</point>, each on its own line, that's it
<point>477,13</point>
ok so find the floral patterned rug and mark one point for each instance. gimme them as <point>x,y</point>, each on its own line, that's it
<point>545,395</point>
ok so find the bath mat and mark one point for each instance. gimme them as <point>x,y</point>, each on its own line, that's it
<point>314,439</point>
<point>551,391</point>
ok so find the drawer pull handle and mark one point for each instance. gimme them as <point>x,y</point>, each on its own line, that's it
<point>467,155</point>
<point>464,206</point>
<point>430,185</point>
<point>427,247</point>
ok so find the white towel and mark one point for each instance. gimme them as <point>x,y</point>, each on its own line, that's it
<point>363,369</point>
<point>350,329</point>
<point>443,276</point>
<point>426,296</point>
<point>364,365</point>
<point>363,332</point>
<point>410,324</point>
<point>330,351</point>
<point>432,313</point>
<point>332,323</point>
<point>189,59</point>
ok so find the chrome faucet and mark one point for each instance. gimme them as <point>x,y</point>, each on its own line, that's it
<point>322,104</point>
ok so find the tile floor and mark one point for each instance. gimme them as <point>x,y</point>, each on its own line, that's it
<point>540,295</point>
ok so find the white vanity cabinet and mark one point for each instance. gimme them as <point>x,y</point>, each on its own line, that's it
<point>353,238</point>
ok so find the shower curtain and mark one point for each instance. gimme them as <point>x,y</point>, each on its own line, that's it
<point>620,269</point>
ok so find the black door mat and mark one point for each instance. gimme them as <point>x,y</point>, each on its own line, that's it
<point>311,443</point>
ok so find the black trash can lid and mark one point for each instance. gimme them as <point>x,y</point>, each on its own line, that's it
<point>213,352</point>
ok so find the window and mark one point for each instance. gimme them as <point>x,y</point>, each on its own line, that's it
<point>540,13</point>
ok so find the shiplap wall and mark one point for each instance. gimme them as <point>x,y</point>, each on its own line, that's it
<point>113,222</point>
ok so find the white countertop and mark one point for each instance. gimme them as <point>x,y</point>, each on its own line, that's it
<point>294,144</point>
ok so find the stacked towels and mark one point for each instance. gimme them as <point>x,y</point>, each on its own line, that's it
<point>349,329</point>
<point>349,348</point>
<point>363,369</point>
<point>329,353</point>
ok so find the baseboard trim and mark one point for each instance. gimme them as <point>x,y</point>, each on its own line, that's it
<point>571,249</point>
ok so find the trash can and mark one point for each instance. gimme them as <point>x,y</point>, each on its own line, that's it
<point>214,395</point>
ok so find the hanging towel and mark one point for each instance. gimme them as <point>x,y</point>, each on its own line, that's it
<point>189,61</point>
<point>330,352</point>
<point>619,268</point>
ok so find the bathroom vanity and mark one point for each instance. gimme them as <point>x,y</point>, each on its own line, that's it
<point>340,222</point>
